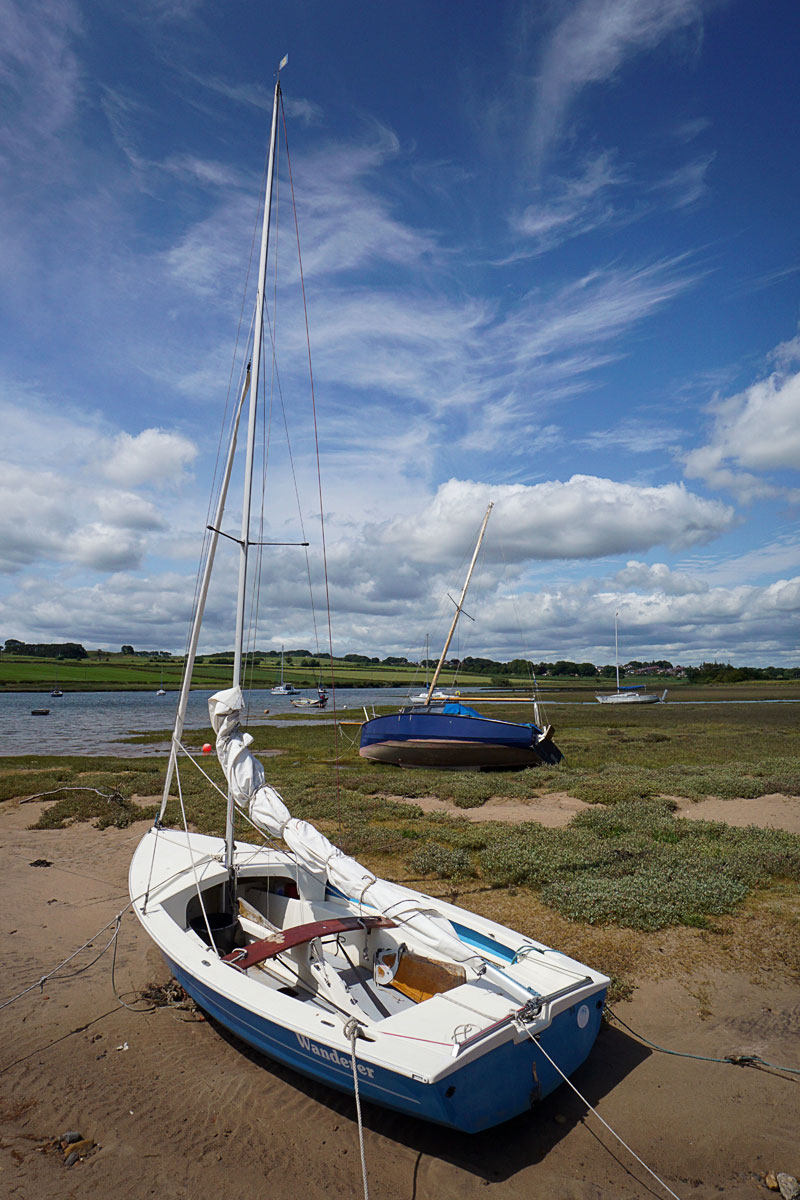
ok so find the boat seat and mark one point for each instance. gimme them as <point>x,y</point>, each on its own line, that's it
<point>414,975</point>
<point>275,943</point>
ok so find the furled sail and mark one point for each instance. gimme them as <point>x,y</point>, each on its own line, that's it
<point>266,809</point>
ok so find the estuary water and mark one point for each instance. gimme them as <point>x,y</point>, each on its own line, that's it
<point>98,722</point>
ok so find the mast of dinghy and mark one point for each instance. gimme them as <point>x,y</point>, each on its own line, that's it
<point>244,543</point>
<point>460,604</point>
<point>191,652</point>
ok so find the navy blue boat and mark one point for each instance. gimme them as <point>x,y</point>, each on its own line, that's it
<point>455,737</point>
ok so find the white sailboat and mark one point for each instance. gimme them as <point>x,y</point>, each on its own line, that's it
<point>282,688</point>
<point>628,695</point>
<point>308,956</point>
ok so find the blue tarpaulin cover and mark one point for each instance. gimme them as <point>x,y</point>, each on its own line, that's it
<point>457,709</point>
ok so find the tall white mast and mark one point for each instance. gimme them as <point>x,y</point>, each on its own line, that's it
<point>616,646</point>
<point>251,442</point>
<point>256,371</point>
<point>460,604</point>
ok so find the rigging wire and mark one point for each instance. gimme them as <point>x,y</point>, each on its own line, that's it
<point>319,470</point>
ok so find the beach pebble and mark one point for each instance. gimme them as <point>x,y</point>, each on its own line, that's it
<point>78,1150</point>
<point>788,1186</point>
<point>71,1136</point>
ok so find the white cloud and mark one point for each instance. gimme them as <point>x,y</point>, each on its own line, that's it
<point>634,434</point>
<point>658,577</point>
<point>583,517</point>
<point>572,206</point>
<point>686,184</point>
<point>590,45</point>
<point>153,456</point>
<point>40,75</point>
<point>68,488</point>
<point>103,548</point>
<point>756,430</point>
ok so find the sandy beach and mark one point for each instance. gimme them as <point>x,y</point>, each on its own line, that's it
<point>176,1109</point>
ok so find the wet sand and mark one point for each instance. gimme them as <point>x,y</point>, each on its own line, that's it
<point>179,1110</point>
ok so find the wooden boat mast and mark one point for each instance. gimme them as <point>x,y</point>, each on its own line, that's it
<point>460,604</point>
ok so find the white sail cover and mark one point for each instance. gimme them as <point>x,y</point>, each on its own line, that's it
<point>266,809</point>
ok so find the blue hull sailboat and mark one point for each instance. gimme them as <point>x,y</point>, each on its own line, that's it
<point>455,737</point>
<point>450,735</point>
<point>366,985</point>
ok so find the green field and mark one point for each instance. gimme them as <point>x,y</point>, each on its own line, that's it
<point>101,671</point>
<point>109,672</point>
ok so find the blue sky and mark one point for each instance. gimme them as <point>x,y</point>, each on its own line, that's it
<point>552,260</point>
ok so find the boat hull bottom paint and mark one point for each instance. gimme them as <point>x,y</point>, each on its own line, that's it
<point>480,1095</point>
<point>451,755</point>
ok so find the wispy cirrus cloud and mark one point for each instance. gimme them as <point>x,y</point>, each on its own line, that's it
<point>589,45</point>
<point>572,206</point>
<point>40,74</point>
<point>685,185</point>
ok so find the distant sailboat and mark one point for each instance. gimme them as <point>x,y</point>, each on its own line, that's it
<point>283,689</point>
<point>628,695</point>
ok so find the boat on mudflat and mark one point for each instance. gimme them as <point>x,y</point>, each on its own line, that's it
<point>455,737</point>
<point>439,731</point>
<point>315,961</point>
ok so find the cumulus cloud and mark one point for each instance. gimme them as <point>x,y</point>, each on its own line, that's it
<point>757,430</point>
<point>658,577</point>
<point>152,456</point>
<point>56,507</point>
<point>582,517</point>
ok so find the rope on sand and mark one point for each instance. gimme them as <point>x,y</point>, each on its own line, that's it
<point>737,1060</point>
<point>604,1122</point>
<point>115,921</point>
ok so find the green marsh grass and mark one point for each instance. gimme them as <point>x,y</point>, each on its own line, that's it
<point>628,863</point>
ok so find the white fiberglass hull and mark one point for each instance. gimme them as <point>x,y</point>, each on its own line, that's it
<point>464,1056</point>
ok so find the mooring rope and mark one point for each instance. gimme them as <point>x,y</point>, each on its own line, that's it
<point>351,1030</point>
<point>583,1100</point>
<point>736,1060</point>
<point>115,921</point>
